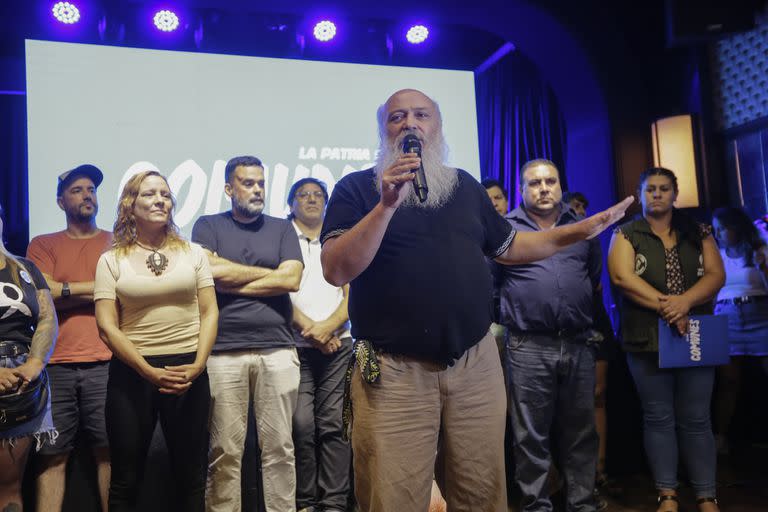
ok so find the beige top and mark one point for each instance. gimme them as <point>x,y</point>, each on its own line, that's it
<point>159,314</point>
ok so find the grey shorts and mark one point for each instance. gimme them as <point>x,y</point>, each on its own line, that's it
<point>78,394</point>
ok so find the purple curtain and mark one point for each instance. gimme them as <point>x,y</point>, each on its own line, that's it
<point>13,171</point>
<point>518,120</point>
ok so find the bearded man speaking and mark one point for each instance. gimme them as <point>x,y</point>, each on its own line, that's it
<point>426,366</point>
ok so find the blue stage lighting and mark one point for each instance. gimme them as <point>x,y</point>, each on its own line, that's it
<point>417,34</point>
<point>66,12</point>
<point>324,30</point>
<point>166,20</point>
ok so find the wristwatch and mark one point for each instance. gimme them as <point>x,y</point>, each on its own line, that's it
<point>65,290</point>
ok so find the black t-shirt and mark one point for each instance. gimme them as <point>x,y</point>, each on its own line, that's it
<point>427,292</point>
<point>18,301</point>
<point>251,322</point>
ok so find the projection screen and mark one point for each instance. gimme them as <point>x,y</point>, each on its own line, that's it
<point>184,114</point>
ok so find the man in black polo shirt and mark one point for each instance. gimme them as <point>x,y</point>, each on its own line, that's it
<point>420,305</point>
<point>256,261</point>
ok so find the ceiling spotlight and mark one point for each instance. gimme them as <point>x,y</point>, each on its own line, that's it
<point>324,31</point>
<point>66,12</point>
<point>166,20</point>
<point>417,34</point>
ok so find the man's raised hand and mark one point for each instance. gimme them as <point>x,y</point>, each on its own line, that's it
<point>394,180</point>
<point>599,222</point>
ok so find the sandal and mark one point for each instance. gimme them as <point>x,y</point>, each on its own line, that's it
<point>667,497</point>
<point>701,501</point>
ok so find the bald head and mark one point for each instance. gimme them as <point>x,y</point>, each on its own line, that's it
<point>409,110</point>
<point>412,93</point>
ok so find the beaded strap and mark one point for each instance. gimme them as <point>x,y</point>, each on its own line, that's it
<point>365,357</point>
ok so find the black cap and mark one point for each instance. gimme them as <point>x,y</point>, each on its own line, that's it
<point>87,170</point>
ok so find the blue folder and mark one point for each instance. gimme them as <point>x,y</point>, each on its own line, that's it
<point>706,343</point>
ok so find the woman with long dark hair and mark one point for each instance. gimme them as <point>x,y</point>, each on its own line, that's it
<point>744,298</point>
<point>665,265</point>
<point>28,329</point>
<point>156,310</point>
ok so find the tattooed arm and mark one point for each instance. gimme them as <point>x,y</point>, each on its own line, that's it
<point>47,328</point>
<point>43,339</point>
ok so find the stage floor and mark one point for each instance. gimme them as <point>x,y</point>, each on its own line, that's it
<point>742,486</point>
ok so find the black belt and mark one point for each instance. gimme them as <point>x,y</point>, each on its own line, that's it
<point>13,348</point>
<point>747,299</point>
<point>550,333</point>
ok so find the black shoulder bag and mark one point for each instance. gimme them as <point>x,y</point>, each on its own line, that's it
<point>18,408</point>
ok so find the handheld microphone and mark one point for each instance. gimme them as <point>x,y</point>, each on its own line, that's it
<point>412,144</point>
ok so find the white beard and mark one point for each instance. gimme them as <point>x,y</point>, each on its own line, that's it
<point>441,179</point>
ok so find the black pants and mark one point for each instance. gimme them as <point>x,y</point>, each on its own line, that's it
<point>322,457</point>
<point>132,409</point>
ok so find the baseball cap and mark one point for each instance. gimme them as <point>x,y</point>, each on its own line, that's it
<point>87,170</point>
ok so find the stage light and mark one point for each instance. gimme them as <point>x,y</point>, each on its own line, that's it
<point>66,12</point>
<point>417,34</point>
<point>166,20</point>
<point>324,30</point>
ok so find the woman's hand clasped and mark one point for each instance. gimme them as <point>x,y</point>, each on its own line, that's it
<point>8,380</point>
<point>682,326</point>
<point>174,380</point>
<point>28,371</point>
<point>673,307</point>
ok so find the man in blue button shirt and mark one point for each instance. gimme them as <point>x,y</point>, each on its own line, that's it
<point>547,307</point>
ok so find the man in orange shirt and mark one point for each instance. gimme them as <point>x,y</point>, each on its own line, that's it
<point>80,362</point>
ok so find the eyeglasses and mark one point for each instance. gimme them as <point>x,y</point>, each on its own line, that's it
<point>304,196</point>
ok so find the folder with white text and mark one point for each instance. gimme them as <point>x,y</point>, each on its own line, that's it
<point>705,344</point>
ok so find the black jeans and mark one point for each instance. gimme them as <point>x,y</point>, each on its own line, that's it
<point>132,409</point>
<point>323,458</point>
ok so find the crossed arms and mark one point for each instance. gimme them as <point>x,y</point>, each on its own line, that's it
<point>252,281</point>
<point>81,293</point>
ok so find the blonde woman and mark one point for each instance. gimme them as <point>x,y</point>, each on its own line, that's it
<point>28,329</point>
<point>156,310</point>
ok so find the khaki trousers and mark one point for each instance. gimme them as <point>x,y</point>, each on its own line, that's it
<point>420,413</point>
<point>269,378</point>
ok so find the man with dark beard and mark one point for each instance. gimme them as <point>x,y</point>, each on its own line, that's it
<point>256,262</point>
<point>427,369</point>
<point>80,362</point>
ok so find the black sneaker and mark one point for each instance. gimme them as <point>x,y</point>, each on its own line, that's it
<point>609,487</point>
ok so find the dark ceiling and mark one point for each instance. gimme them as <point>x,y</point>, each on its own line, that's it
<point>255,28</point>
<point>370,32</point>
